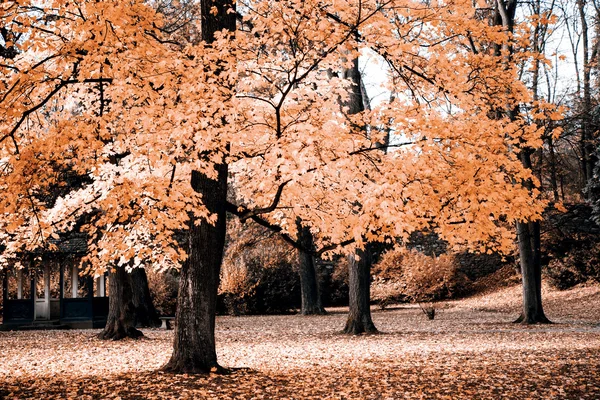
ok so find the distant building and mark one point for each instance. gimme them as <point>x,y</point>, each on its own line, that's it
<point>50,291</point>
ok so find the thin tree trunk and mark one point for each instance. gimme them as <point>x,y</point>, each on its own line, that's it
<point>587,148</point>
<point>359,270</point>
<point>120,322</point>
<point>309,285</point>
<point>529,238</point>
<point>359,283</point>
<point>528,232</point>
<point>553,180</point>
<point>145,314</point>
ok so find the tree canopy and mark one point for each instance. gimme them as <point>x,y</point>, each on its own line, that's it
<point>126,94</point>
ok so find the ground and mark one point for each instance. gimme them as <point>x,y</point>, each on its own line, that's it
<point>470,350</point>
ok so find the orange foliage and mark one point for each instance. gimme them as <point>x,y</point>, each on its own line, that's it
<point>121,92</point>
<point>410,275</point>
<point>248,245</point>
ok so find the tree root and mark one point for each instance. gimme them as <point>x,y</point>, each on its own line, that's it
<point>119,333</point>
<point>360,328</point>
<point>180,367</point>
<point>540,319</point>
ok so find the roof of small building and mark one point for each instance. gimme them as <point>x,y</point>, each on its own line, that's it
<point>72,244</point>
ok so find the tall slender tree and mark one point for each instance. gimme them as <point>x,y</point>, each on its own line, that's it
<point>528,232</point>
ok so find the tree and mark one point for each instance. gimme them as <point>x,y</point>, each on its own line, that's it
<point>359,264</point>
<point>528,231</point>
<point>307,269</point>
<point>145,107</point>
<point>593,190</point>
<point>144,311</point>
<point>587,145</point>
<point>129,305</point>
<point>585,48</point>
<point>120,322</point>
<point>359,283</point>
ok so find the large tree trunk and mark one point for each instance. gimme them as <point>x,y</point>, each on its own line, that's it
<point>194,345</point>
<point>359,284</point>
<point>194,349</point>
<point>120,323</point>
<point>309,284</point>
<point>144,312</point>
<point>529,238</point>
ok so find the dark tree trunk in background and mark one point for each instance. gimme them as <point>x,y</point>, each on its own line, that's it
<point>145,314</point>
<point>528,232</point>
<point>359,285</point>
<point>553,173</point>
<point>586,142</point>
<point>359,270</point>
<point>309,284</point>
<point>529,237</point>
<point>194,345</point>
<point>120,323</point>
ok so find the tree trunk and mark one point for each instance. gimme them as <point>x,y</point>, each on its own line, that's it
<point>359,271</point>
<point>553,180</point>
<point>587,147</point>
<point>194,344</point>
<point>529,238</point>
<point>359,285</point>
<point>309,284</point>
<point>144,312</point>
<point>120,323</point>
<point>528,232</point>
<point>194,349</point>
<point>531,273</point>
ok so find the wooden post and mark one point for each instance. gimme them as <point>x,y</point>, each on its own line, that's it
<point>20,283</point>
<point>74,281</point>
<point>33,293</point>
<point>102,286</point>
<point>47,288</point>
<point>46,281</point>
<point>61,294</point>
<point>5,286</point>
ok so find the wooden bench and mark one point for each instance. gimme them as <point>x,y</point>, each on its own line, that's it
<point>166,322</point>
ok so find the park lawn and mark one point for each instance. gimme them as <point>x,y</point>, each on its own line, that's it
<point>470,350</point>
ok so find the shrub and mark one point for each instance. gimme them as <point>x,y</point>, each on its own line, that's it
<point>408,275</point>
<point>163,290</point>
<point>580,265</point>
<point>571,247</point>
<point>258,275</point>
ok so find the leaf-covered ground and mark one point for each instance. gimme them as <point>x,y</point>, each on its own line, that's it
<point>471,350</point>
